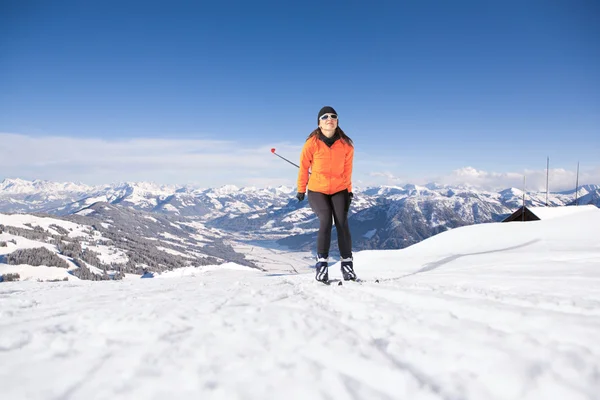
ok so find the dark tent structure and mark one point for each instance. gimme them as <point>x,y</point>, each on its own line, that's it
<point>533,213</point>
<point>522,214</point>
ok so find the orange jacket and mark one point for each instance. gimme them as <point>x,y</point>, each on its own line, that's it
<point>331,167</point>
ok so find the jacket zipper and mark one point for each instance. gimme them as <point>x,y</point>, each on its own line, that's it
<point>330,167</point>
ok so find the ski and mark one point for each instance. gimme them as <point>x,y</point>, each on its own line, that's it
<point>329,282</point>
<point>352,281</point>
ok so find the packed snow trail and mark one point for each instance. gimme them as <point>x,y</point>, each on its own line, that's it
<point>257,337</point>
<point>497,311</point>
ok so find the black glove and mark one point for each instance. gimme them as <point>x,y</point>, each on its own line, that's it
<point>351,196</point>
<point>300,196</point>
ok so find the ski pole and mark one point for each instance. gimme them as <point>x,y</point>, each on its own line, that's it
<point>283,158</point>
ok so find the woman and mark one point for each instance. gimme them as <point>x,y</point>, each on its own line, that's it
<point>329,153</point>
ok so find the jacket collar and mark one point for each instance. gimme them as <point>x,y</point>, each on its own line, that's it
<point>329,141</point>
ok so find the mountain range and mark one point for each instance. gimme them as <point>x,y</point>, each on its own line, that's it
<point>384,217</point>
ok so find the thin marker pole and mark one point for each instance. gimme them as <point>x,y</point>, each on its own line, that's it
<point>577,186</point>
<point>547,180</point>
<point>523,213</point>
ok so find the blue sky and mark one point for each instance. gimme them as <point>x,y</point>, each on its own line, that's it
<point>424,88</point>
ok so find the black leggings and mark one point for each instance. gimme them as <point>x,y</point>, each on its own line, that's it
<point>326,206</point>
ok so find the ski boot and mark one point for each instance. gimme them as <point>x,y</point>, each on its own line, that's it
<point>321,269</point>
<point>348,269</point>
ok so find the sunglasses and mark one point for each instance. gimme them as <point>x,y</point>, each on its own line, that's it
<point>325,117</point>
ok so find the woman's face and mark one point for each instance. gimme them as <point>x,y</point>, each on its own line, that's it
<point>329,123</point>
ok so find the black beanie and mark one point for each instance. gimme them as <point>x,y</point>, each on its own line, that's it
<point>325,110</point>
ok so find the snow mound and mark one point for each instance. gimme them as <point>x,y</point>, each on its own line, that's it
<point>559,212</point>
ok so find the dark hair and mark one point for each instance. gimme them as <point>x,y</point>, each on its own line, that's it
<point>338,130</point>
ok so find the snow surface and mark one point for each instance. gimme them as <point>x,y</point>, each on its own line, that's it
<point>194,271</point>
<point>19,221</point>
<point>21,186</point>
<point>22,243</point>
<point>84,212</point>
<point>169,236</point>
<point>492,311</point>
<point>171,208</point>
<point>107,254</point>
<point>174,252</point>
<point>555,212</point>
<point>370,233</point>
<point>31,273</point>
<point>270,256</point>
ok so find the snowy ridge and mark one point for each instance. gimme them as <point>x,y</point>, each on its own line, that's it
<point>20,186</point>
<point>491,311</point>
<point>386,217</point>
<point>129,241</point>
<point>546,213</point>
<point>17,195</point>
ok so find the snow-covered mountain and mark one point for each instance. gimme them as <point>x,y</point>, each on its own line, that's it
<point>21,196</point>
<point>107,241</point>
<point>490,311</point>
<point>17,195</point>
<point>393,217</point>
<point>384,217</point>
<point>588,194</point>
<point>20,186</point>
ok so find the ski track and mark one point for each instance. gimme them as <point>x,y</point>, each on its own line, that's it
<point>289,337</point>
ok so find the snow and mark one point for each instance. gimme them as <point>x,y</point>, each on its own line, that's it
<point>20,186</point>
<point>85,212</point>
<point>173,252</point>
<point>22,243</point>
<point>66,259</point>
<point>268,225</point>
<point>169,236</point>
<point>19,221</point>
<point>107,254</point>
<point>31,273</point>
<point>193,271</point>
<point>239,206</point>
<point>491,311</point>
<point>370,233</point>
<point>226,190</point>
<point>170,208</point>
<point>301,214</point>
<point>95,270</point>
<point>88,201</point>
<point>196,254</point>
<point>555,212</point>
<point>272,257</point>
